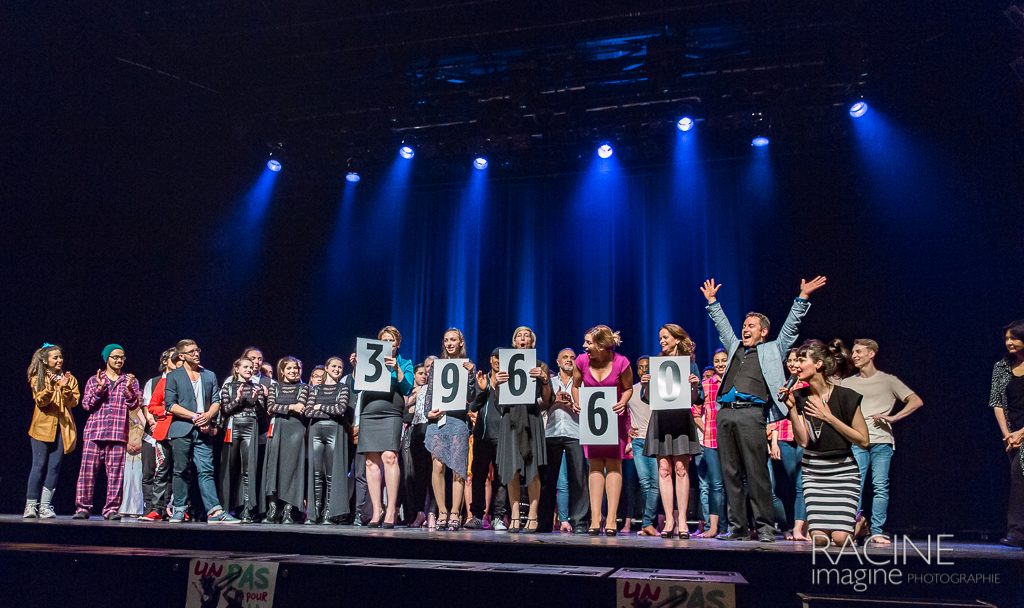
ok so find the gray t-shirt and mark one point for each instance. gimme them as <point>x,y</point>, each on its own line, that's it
<point>639,412</point>
<point>881,391</point>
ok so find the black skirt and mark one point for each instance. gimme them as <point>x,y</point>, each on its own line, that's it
<point>671,433</point>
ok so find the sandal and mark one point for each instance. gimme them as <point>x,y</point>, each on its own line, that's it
<point>454,524</point>
<point>669,532</point>
<point>442,522</point>
<point>610,531</point>
<point>527,529</point>
<point>515,526</point>
<point>684,534</point>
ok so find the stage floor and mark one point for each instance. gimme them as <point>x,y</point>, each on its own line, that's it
<point>774,572</point>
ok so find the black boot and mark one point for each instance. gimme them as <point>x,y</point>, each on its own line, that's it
<point>245,515</point>
<point>286,515</point>
<point>271,516</point>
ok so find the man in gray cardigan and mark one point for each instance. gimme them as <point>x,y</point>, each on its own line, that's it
<point>747,399</point>
<point>191,398</point>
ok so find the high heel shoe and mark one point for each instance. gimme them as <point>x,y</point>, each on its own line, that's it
<point>441,524</point>
<point>610,531</point>
<point>388,525</point>
<point>454,523</point>
<point>669,532</point>
<point>593,531</point>
<point>376,524</point>
<point>515,526</point>
<point>527,529</point>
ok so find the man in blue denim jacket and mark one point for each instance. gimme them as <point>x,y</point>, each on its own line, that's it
<point>747,400</point>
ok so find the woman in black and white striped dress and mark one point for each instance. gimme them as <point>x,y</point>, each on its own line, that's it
<point>826,421</point>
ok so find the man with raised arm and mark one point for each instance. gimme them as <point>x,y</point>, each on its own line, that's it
<point>747,401</point>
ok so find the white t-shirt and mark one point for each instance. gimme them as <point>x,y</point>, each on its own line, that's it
<point>639,412</point>
<point>881,392</point>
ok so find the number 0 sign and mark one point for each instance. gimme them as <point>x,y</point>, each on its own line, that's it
<point>371,373</point>
<point>449,386</point>
<point>520,388</point>
<point>598,423</point>
<point>670,383</point>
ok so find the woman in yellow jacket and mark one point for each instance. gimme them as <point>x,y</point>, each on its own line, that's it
<point>52,432</point>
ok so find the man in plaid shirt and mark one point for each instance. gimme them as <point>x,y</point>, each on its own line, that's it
<point>109,396</point>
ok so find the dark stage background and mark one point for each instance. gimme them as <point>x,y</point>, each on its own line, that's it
<point>133,220</point>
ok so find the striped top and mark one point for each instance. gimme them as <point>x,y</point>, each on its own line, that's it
<point>284,394</point>
<point>327,402</point>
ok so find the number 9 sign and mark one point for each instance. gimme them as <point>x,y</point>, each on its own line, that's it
<point>371,373</point>
<point>520,388</point>
<point>599,424</point>
<point>670,383</point>
<point>449,385</point>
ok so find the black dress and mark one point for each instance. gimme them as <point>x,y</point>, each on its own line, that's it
<point>521,445</point>
<point>284,472</point>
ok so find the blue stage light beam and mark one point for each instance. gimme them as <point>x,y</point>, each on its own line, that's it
<point>605,151</point>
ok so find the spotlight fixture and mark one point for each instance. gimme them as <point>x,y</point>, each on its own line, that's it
<point>274,165</point>
<point>605,151</point>
<point>406,152</point>
<point>760,141</point>
<point>275,156</point>
<point>352,177</point>
<point>858,108</point>
<point>480,163</point>
<point>685,124</point>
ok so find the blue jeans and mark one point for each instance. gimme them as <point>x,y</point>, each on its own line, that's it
<point>878,457</point>
<point>562,491</point>
<point>647,471</point>
<point>787,482</point>
<point>712,491</point>
<point>199,449</point>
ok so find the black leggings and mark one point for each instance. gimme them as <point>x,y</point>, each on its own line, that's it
<point>322,442</point>
<point>45,455</point>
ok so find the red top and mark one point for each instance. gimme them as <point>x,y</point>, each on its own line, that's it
<point>156,407</point>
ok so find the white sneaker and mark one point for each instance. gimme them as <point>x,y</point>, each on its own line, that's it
<point>31,510</point>
<point>46,511</point>
<point>498,525</point>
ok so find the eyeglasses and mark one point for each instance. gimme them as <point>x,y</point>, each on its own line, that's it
<point>117,357</point>
<point>192,352</point>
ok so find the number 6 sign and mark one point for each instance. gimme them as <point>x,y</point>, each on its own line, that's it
<point>670,383</point>
<point>371,373</point>
<point>598,423</point>
<point>449,386</point>
<point>520,388</point>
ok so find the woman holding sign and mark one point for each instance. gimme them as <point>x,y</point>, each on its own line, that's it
<point>447,437</point>
<point>826,420</point>
<point>380,429</point>
<point>522,449</point>
<point>601,366</point>
<point>672,434</point>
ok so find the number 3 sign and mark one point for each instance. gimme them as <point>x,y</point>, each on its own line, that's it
<point>598,422</point>
<point>371,373</point>
<point>449,386</point>
<point>670,383</point>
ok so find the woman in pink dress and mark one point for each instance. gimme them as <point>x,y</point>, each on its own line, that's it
<point>600,365</point>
